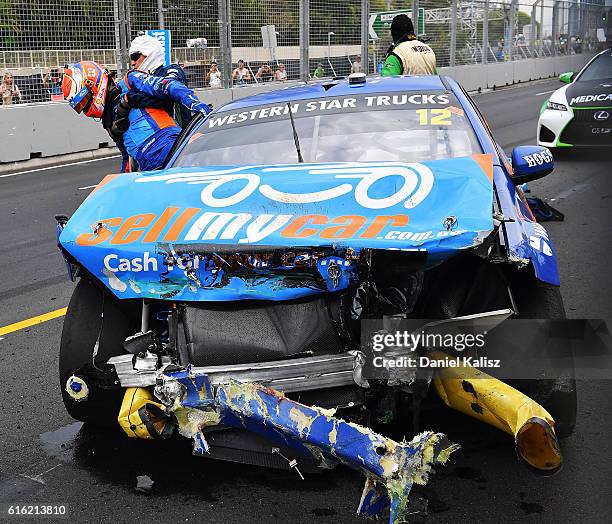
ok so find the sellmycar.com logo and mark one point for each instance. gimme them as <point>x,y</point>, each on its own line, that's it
<point>243,182</point>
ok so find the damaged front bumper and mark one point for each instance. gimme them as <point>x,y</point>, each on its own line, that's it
<point>391,468</point>
<point>248,397</point>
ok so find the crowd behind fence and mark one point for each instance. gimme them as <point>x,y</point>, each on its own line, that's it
<point>305,38</point>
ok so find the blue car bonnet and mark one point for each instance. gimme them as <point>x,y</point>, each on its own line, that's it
<point>273,232</point>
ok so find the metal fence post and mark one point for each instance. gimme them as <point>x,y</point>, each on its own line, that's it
<point>453,40</point>
<point>225,41</point>
<point>124,35</point>
<point>118,61</point>
<point>305,39</point>
<point>513,7</point>
<point>570,19</point>
<point>365,52</point>
<point>160,14</point>
<point>485,33</point>
<point>542,28</point>
<point>415,16</point>
<point>532,40</point>
<point>128,30</point>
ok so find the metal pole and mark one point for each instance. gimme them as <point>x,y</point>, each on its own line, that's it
<point>570,17</point>
<point>555,16</point>
<point>160,14</point>
<point>124,37</point>
<point>415,15</point>
<point>485,33</point>
<point>128,29</point>
<point>304,39</point>
<point>225,42</point>
<point>453,41</point>
<point>532,40</point>
<point>365,53</point>
<point>542,26</point>
<point>118,64</point>
<point>512,24</point>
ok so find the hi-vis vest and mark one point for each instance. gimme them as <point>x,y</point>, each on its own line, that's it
<point>416,57</point>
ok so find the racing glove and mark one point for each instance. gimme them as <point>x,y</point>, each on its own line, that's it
<point>200,107</point>
<point>166,87</point>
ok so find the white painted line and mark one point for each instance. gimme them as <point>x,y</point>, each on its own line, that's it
<point>88,187</point>
<point>545,92</point>
<point>61,165</point>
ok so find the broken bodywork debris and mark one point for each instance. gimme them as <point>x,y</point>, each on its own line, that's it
<point>390,467</point>
<point>144,484</point>
<point>490,400</point>
<point>141,416</point>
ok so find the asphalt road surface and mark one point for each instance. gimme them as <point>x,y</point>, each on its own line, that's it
<point>45,457</point>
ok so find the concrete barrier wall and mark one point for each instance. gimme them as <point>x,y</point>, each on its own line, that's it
<point>51,129</point>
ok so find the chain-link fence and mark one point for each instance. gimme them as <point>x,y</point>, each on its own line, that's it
<point>259,41</point>
<point>463,32</point>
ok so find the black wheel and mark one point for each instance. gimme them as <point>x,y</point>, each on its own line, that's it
<point>535,299</point>
<point>83,324</point>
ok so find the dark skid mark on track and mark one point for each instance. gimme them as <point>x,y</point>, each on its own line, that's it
<point>34,286</point>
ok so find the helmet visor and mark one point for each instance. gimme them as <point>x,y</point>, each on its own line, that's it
<point>81,102</point>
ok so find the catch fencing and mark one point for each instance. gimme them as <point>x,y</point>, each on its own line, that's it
<point>278,39</point>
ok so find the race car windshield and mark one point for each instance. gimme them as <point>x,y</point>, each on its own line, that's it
<point>404,127</point>
<point>600,69</point>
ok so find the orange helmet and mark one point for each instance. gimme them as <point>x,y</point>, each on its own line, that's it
<point>84,86</point>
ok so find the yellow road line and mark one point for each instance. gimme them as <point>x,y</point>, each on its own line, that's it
<point>32,321</point>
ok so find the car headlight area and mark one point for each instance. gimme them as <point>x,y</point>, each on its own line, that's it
<point>553,120</point>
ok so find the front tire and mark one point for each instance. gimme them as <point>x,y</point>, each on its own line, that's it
<point>93,312</point>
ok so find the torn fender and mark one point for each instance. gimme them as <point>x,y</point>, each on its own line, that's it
<point>490,400</point>
<point>391,468</point>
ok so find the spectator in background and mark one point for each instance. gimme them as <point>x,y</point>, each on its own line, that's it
<point>9,90</point>
<point>357,66</point>
<point>264,73</point>
<point>319,72</point>
<point>241,74</point>
<point>213,77</point>
<point>281,73</point>
<point>52,81</point>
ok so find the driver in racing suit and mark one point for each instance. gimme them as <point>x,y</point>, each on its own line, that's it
<point>150,132</point>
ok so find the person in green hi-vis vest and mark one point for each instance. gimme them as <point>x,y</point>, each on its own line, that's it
<point>408,55</point>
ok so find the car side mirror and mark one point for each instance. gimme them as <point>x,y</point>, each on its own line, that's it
<point>567,78</point>
<point>530,163</point>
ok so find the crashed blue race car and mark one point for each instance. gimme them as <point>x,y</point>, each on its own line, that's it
<point>226,297</point>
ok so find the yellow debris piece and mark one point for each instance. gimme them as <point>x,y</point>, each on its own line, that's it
<point>490,400</point>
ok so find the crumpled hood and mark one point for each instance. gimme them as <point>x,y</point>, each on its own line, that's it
<point>194,233</point>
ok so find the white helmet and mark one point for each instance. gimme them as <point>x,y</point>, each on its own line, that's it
<point>151,49</point>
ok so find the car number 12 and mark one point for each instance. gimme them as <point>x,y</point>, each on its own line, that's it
<point>434,117</point>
